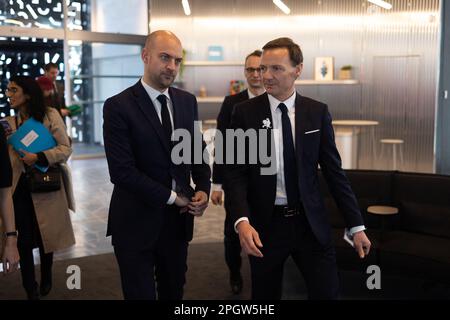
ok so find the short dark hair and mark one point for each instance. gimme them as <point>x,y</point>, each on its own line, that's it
<point>295,53</point>
<point>256,53</point>
<point>50,65</point>
<point>36,107</point>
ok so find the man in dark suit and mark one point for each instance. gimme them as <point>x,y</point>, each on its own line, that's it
<point>153,205</point>
<point>283,214</point>
<point>252,74</point>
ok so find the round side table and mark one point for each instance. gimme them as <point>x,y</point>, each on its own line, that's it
<point>382,211</point>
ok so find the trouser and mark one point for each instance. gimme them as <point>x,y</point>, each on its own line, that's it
<point>292,236</point>
<point>29,238</point>
<point>27,267</point>
<point>160,268</point>
<point>232,245</point>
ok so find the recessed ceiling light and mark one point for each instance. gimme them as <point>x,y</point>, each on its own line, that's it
<point>282,6</point>
<point>381,3</point>
<point>186,8</point>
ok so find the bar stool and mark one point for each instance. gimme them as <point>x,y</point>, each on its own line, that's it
<point>394,143</point>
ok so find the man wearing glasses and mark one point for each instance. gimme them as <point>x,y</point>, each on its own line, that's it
<point>252,73</point>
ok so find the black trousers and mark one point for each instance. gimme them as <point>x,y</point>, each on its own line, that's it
<point>232,244</point>
<point>29,238</point>
<point>159,269</point>
<point>27,267</point>
<point>292,236</point>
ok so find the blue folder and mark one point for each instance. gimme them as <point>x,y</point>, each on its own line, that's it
<point>34,137</point>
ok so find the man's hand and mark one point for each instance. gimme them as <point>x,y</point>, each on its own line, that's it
<point>10,257</point>
<point>216,197</point>
<point>181,201</point>
<point>362,244</point>
<point>249,239</point>
<point>29,158</point>
<point>198,204</point>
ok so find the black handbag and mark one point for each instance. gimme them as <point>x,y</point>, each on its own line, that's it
<point>39,181</point>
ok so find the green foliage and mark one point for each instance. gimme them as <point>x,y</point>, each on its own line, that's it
<point>182,65</point>
<point>347,67</point>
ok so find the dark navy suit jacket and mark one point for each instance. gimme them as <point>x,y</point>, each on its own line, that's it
<point>140,165</point>
<point>223,123</point>
<point>253,195</point>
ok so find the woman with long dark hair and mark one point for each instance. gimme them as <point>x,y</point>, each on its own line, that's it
<point>42,219</point>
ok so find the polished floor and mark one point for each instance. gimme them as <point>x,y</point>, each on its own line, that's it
<point>87,151</point>
<point>92,189</point>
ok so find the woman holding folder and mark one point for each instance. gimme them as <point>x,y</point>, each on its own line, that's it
<point>42,219</point>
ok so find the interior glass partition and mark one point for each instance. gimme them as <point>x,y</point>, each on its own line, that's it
<point>82,36</point>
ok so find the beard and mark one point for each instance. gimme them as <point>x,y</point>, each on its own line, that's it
<point>165,79</point>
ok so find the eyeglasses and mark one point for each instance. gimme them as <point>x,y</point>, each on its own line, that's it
<point>252,70</point>
<point>11,90</point>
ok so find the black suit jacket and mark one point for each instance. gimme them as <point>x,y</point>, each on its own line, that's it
<point>140,166</point>
<point>5,164</point>
<point>223,123</point>
<point>253,195</point>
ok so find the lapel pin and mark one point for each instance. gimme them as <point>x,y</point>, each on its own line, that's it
<point>267,124</point>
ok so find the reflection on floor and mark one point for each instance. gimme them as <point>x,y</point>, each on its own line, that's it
<point>87,151</point>
<point>92,189</point>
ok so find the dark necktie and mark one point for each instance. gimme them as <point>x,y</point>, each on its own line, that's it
<point>165,117</point>
<point>290,166</point>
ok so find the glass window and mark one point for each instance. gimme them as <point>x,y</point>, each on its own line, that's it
<point>98,71</point>
<point>132,15</point>
<point>88,15</point>
<point>27,13</point>
<point>26,56</point>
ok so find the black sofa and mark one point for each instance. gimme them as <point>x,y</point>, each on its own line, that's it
<point>416,241</point>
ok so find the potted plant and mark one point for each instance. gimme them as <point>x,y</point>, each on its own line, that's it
<point>179,83</point>
<point>346,72</point>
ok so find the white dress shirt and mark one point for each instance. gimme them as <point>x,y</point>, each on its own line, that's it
<point>281,195</point>
<point>154,94</point>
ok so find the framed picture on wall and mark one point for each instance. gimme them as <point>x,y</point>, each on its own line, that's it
<point>215,53</point>
<point>324,68</point>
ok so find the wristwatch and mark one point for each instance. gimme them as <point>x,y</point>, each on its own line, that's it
<point>12,234</point>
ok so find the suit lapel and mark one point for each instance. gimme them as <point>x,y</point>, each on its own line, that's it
<point>177,110</point>
<point>264,114</point>
<point>147,107</point>
<point>246,95</point>
<point>301,117</point>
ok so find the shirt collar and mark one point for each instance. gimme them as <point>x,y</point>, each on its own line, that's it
<point>289,102</point>
<point>153,93</point>
<point>250,94</point>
